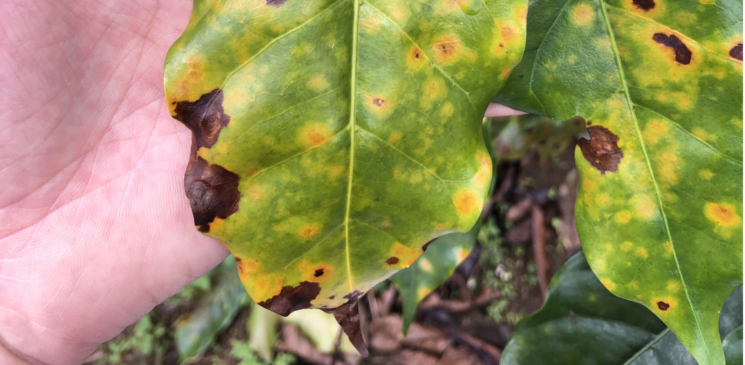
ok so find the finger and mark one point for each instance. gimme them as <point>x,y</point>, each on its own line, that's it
<point>498,110</point>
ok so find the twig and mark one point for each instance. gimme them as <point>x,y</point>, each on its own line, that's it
<point>539,248</point>
<point>335,355</point>
<point>374,312</point>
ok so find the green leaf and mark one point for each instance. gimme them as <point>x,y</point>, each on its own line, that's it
<point>196,331</point>
<point>733,347</point>
<point>659,208</point>
<point>583,323</point>
<point>432,269</point>
<point>333,138</point>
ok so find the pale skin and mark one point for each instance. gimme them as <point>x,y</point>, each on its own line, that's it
<point>96,229</point>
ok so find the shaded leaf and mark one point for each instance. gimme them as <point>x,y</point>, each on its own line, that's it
<point>583,323</point>
<point>435,266</point>
<point>196,331</point>
<point>659,208</point>
<point>733,347</point>
<point>333,138</point>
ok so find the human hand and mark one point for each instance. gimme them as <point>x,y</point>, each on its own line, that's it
<point>96,229</point>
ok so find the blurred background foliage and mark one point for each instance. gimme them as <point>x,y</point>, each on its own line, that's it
<point>463,300</point>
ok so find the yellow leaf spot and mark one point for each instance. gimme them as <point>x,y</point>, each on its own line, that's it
<point>370,24</point>
<point>668,248</point>
<point>318,83</point>
<point>608,284</point>
<point>673,286</point>
<point>447,109</point>
<point>626,246</point>
<point>645,206</point>
<point>623,217</point>
<point>466,202</point>
<point>379,106</point>
<point>406,256</point>
<point>309,230</point>
<point>608,247</point>
<point>655,130</point>
<point>592,298</point>
<point>484,174</point>
<point>256,192</point>
<point>394,137</point>
<point>415,58</point>
<point>582,14</point>
<point>701,134</point>
<point>425,265</point>
<point>416,177</point>
<point>668,166</point>
<point>314,134</point>
<point>642,252</point>
<point>447,48</point>
<point>423,292</point>
<point>462,254</point>
<point>705,174</point>
<point>599,264</point>
<point>246,266</point>
<point>634,285</point>
<point>722,214</point>
<point>602,199</point>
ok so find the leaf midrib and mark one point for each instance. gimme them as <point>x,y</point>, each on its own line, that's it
<point>630,103</point>
<point>352,127</point>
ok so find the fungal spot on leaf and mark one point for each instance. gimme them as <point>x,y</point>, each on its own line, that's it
<point>682,53</point>
<point>332,297</point>
<point>348,317</point>
<point>378,102</point>
<point>314,135</point>
<point>318,273</point>
<point>392,260</point>
<point>447,48</point>
<point>722,214</point>
<point>645,5</point>
<point>601,150</point>
<point>466,202</point>
<point>211,189</point>
<point>275,3</point>
<point>291,298</point>
<point>736,52</point>
<point>309,230</point>
<point>204,117</point>
<point>663,306</point>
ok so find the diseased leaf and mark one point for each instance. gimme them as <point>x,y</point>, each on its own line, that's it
<point>583,323</point>
<point>333,138</point>
<point>196,331</point>
<point>659,208</point>
<point>441,258</point>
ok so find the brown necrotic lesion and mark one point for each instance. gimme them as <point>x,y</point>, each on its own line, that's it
<point>645,5</point>
<point>601,150</point>
<point>212,190</point>
<point>736,52</point>
<point>682,53</point>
